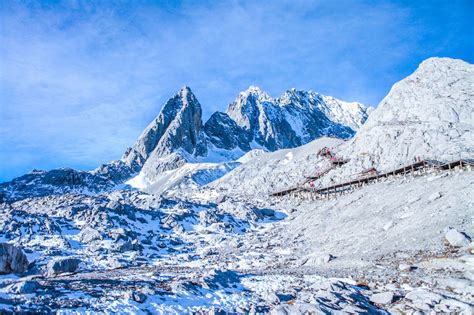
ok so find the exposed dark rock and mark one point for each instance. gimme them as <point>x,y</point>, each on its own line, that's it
<point>62,265</point>
<point>24,287</point>
<point>12,259</point>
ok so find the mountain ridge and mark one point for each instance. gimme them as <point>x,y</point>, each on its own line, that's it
<point>177,135</point>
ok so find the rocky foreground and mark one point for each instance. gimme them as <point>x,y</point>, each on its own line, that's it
<point>133,252</point>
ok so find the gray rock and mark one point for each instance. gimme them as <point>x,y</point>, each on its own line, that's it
<point>270,297</point>
<point>24,287</point>
<point>62,265</point>
<point>317,260</point>
<point>456,238</point>
<point>88,235</point>
<point>207,218</point>
<point>424,296</point>
<point>55,182</point>
<point>267,120</point>
<point>262,213</point>
<point>216,279</point>
<point>125,246</point>
<point>224,133</point>
<point>135,296</point>
<point>12,259</point>
<point>404,267</point>
<point>382,298</point>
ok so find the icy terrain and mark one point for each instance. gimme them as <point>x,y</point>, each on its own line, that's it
<point>201,236</point>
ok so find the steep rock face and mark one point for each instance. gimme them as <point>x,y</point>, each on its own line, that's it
<point>178,126</point>
<point>224,132</point>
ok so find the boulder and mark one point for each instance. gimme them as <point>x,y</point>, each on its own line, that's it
<point>424,296</point>
<point>126,246</point>
<point>62,265</point>
<point>382,298</point>
<point>135,296</point>
<point>318,259</point>
<point>12,259</point>
<point>456,238</point>
<point>88,235</point>
<point>264,213</point>
<point>405,267</point>
<point>24,287</point>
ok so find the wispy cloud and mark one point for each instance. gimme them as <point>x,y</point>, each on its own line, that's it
<point>78,81</point>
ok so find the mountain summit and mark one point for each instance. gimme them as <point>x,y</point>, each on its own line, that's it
<point>178,126</point>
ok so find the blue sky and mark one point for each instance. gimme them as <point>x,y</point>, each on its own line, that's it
<point>80,80</point>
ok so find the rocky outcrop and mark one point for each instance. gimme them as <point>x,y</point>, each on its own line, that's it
<point>456,238</point>
<point>54,182</point>
<point>12,259</point>
<point>24,287</point>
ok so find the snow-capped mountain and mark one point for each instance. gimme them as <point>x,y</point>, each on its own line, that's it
<point>177,127</point>
<point>253,120</point>
<point>295,118</point>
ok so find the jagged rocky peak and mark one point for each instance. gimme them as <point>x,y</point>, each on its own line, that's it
<point>247,106</point>
<point>295,118</point>
<point>178,126</point>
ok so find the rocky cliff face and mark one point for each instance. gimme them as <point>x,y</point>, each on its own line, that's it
<point>296,118</point>
<point>224,132</point>
<point>178,126</point>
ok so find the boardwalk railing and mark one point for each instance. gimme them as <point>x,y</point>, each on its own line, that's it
<point>423,165</point>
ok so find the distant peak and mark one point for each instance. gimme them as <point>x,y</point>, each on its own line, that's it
<point>185,90</point>
<point>256,91</point>
<point>254,88</point>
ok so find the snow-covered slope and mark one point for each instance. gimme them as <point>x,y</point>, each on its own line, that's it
<point>429,114</point>
<point>181,180</point>
<point>272,171</point>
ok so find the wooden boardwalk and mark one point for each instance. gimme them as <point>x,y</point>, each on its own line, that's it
<point>423,166</point>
